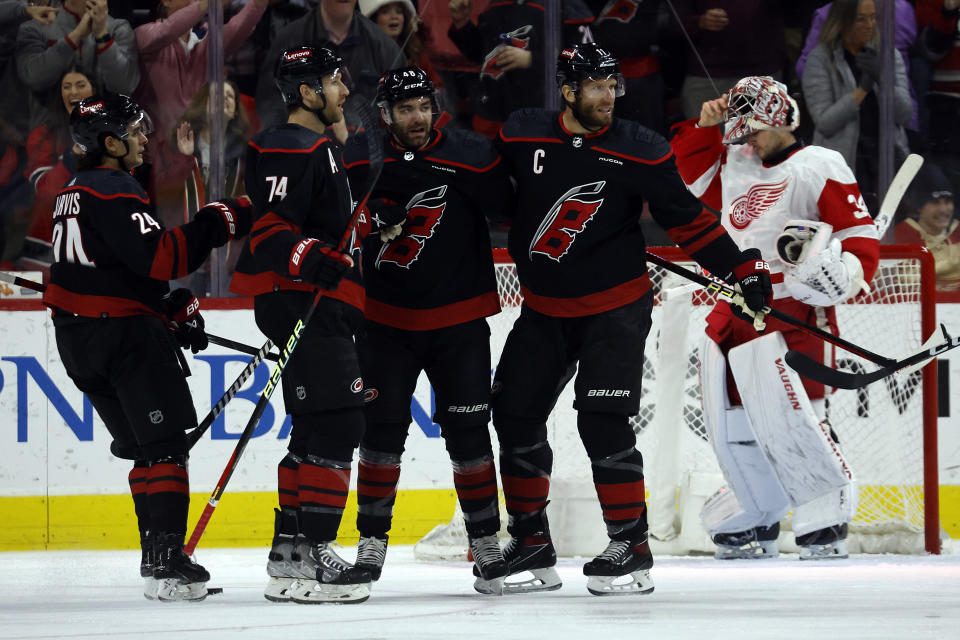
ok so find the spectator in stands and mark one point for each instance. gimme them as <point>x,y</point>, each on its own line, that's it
<point>192,137</point>
<point>399,21</point>
<point>931,222</point>
<point>85,36</point>
<point>366,50</point>
<point>461,76</point>
<point>630,31</point>
<point>938,47</point>
<point>174,63</point>
<point>904,35</point>
<point>51,161</point>
<point>507,42</point>
<point>735,38</point>
<point>839,84</point>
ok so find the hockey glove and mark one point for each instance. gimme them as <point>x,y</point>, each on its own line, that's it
<point>319,263</point>
<point>183,308</point>
<point>826,278</point>
<point>753,283</point>
<point>233,216</point>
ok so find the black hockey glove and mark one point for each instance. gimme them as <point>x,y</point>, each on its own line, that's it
<point>235,217</point>
<point>182,307</point>
<point>868,62</point>
<point>319,263</point>
<point>385,213</point>
<point>753,281</point>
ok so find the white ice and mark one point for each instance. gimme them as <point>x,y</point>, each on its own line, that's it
<point>91,594</point>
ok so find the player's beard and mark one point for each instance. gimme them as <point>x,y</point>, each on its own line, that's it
<point>416,140</point>
<point>591,118</point>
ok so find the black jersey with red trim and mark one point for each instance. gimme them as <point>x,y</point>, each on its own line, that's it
<point>299,189</point>
<point>576,238</point>
<point>439,272</point>
<point>112,257</point>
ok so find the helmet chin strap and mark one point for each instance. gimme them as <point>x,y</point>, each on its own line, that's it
<point>317,112</point>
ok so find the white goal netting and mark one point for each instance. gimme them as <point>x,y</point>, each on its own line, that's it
<point>881,427</point>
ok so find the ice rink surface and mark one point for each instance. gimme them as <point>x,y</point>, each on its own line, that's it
<point>94,594</point>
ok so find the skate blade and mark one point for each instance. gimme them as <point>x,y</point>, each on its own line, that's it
<point>756,551</point>
<point>545,579</point>
<point>824,552</point>
<point>313,592</point>
<point>492,587</point>
<point>172,590</point>
<point>278,589</point>
<point>637,583</point>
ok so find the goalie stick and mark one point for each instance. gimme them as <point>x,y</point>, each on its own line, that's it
<point>810,368</point>
<point>218,340</point>
<point>898,187</point>
<point>375,151</point>
<point>731,294</point>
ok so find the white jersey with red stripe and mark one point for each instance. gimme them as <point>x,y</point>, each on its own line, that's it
<point>757,199</point>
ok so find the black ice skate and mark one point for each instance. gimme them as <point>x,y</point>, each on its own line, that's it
<point>759,542</point>
<point>530,557</point>
<point>371,554</point>
<point>289,560</point>
<point>824,544</point>
<point>489,565</point>
<point>178,576</point>
<point>623,568</point>
<point>148,551</point>
<point>335,581</point>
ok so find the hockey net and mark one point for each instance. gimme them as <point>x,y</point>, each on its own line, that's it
<point>887,430</point>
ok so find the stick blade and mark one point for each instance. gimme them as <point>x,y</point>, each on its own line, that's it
<point>819,372</point>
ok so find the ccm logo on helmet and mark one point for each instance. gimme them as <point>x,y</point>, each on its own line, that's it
<point>294,55</point>
<point>91,108</point>
<point>608,393</point>
<point>568,53</point>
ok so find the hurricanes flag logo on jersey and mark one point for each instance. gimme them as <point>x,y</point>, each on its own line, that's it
<point>567,217</point>
<point>620,10</point>
<point>755,202</point>
<point>423,215</point>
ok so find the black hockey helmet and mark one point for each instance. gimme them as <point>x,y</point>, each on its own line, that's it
<point>304,65</point>
<point>589,60</point>
<point>401,84</point>
<point>105,114</point>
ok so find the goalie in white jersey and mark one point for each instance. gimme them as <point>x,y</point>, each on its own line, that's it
<point>801,206</point>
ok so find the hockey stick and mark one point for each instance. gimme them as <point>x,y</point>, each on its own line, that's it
<point>810,368</point>
<point>194,436</point>
<point>223,342</point>
<point>729,293</point>
<point>375,152</point>
<point>898,187</point>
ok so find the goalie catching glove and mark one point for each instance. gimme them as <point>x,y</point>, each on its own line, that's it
<point>752,278</point>
<point>183,308</point>
<point>319,263</point>
<point>826,278</point>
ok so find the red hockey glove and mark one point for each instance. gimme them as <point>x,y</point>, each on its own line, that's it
<point>753,281</point>
<point>234,215</point>
<point>319,263</point>
<point>183,307</point>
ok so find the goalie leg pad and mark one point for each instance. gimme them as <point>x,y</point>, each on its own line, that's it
<point>807,461</point>
<point>754,497</point>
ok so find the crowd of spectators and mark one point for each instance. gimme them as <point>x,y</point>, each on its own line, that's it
<point>486,58</point>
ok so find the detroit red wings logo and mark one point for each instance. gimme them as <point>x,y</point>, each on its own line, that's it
<point>756,202</point>
<point>567,217</point>
<point>619,10</point>
<point>424,212</point>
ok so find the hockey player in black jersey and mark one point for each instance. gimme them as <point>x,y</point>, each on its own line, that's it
<point>303,206</point>
<point>583,177</point>
<point>111,307</point>
<point>430,285</point>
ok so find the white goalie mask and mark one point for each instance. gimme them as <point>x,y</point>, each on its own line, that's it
<point>758,103</point>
